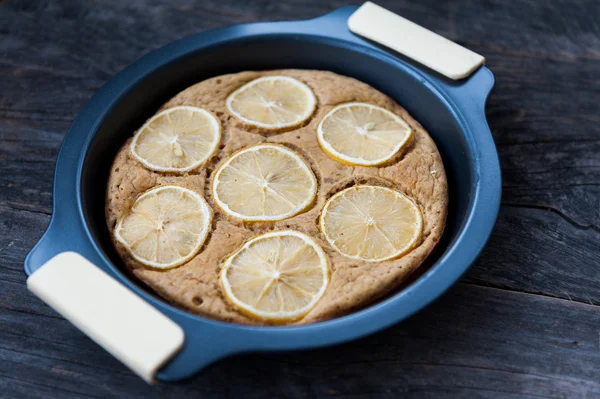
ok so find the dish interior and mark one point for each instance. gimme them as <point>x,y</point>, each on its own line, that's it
<point>386,74</point>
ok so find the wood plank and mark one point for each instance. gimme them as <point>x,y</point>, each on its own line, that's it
<point>559,175</point>
<point>532,251</point>
<point>38,342</point>
<point>538,251</point>
<point>27,158</point>
<point>537,135</point>
<point>542,61</point>
<point>19,231</point>
<point>476,341</point>
<point>479,340</point>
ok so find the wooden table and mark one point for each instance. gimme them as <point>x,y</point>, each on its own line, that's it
<point>524,322</point>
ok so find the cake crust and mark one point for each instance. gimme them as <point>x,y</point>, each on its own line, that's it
<point>417,171</point>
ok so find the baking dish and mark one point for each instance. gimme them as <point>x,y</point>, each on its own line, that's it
<point>453,111</point>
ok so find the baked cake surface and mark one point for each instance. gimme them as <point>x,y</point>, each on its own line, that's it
<point>417,171</point>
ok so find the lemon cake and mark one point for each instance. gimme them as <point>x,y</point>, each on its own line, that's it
<point>276,197</point>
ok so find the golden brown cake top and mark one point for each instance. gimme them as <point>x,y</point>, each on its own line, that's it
<point>416,171</point>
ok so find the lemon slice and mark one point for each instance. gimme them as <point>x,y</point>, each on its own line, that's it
<point>166,226</point>
<point>277,276</point>
<point>362,134</point>
<point>177,139</point>
<point>371,223</point>
<point>265,182</point>
<point>272,102</point>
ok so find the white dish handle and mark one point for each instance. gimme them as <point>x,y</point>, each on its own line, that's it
<point>113,316</point>
<point>422,45</point>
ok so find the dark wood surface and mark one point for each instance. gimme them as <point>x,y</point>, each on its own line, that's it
<point>525,320</point>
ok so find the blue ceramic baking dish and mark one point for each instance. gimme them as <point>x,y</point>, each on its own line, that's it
<point>452,111</point>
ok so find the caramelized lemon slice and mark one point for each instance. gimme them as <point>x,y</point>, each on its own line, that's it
<point>272,102</point>
<point>177,139</point>
<point>277,276</point>
<point>166,226</point>
<point>371,223</point>
<point>266,182</point>
<point>362,134</point>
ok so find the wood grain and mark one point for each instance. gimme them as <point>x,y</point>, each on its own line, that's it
<point>524,321</point>
<point>539,251</point>
<point>474,341</point>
